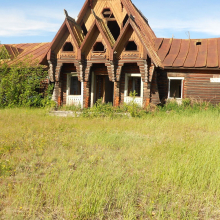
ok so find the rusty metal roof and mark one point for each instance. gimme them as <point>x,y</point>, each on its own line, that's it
<point>190,53</point>
<point>11,51</point>
<point>31,52</point>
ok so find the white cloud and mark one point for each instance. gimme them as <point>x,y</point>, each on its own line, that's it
<point>15,22</point>
<point>204,25</point>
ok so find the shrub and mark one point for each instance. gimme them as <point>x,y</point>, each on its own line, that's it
<point>20,85</point>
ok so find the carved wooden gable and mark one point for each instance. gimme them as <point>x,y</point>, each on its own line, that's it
<point>129,44</point>
<point>66,47</point>
<point>98,6</point>
<point>65,44</point>
<point>96,44</point>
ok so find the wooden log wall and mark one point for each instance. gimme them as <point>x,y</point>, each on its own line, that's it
<point>197,84</point>
<point>199,87</point>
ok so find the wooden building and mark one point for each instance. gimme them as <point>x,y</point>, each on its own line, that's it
<point>110,51</point>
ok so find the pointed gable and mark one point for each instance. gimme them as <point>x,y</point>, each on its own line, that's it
<point>97,33</point>
<point>70,32</point>
<point>97,6</point>
<point>140,23</point>
<point>128,37</point>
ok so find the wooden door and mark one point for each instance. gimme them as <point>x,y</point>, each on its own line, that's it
<point>100,87</point>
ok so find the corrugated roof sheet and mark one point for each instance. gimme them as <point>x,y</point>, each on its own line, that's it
<point>31,52</point>
<point>190,53</point>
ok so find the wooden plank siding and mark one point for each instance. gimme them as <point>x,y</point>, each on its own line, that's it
<point>198,86</point>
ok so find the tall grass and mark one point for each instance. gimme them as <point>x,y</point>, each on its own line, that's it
<point>163,166</point>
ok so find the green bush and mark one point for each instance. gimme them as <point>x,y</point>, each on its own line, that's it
<point>20,85</point>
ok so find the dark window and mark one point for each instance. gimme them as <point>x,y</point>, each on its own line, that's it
<point>75,86</point>
<point>125,20</point>
<point>131,46</point>
<point>175,88</point>
<point>198,43</point>
<point>99,47</point>
<point>83,26</point>
<point>107,13</point>
<point>134,84</point>
<point>68,47</point>
<point>114,28</point>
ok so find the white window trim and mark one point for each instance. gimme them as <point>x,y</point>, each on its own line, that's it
<point>137,99</point>
<point>126,83</point>
<point>69,75</point>
<point>176,78</point>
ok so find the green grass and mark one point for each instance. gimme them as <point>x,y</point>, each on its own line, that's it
<point>163,166</point>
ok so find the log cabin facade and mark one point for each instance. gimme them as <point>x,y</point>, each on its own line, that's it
<point>110,51</point>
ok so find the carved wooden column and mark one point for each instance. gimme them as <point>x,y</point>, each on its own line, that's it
<point>56,92</point>
<point>143,66</point>
<point>57,87</point>
<point>116,94</point>
<point>86,94</point>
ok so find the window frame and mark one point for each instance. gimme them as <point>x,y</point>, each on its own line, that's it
<point>176,78</point>
<point>69,75</point>
<point>127,75</point>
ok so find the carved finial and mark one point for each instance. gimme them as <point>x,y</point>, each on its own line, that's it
<point>66,13</point>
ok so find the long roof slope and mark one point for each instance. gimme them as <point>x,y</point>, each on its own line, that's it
<point>31,52</point>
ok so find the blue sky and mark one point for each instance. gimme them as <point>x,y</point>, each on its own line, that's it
<point>26,21</point>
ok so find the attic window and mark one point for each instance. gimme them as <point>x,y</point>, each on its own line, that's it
<point>125,20</point>
<point>107,13</point>
<point>198,43</point>
<point>68,46</point>
<point>99,47</point>
<point>114,28</point>
<point>131,46</point>
<point>83,26</point>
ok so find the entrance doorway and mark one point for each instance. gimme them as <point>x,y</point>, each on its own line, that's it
<point>102,88</point>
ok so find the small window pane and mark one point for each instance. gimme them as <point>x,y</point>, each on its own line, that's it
<point>134,84</point>
<point>131,46</point>
<point>75,86</point>
<point>175,88</point>
<point>68,47</point>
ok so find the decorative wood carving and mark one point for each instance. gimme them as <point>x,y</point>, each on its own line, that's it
<point>118,71</point>
<point>143,70</point>
<point>111,70</point>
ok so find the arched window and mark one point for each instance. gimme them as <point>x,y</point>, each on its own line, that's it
<point>131,46</point>
<point>98,47</point>
<point>68,46</point>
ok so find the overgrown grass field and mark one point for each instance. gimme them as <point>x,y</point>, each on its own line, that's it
<point>163,166</point>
